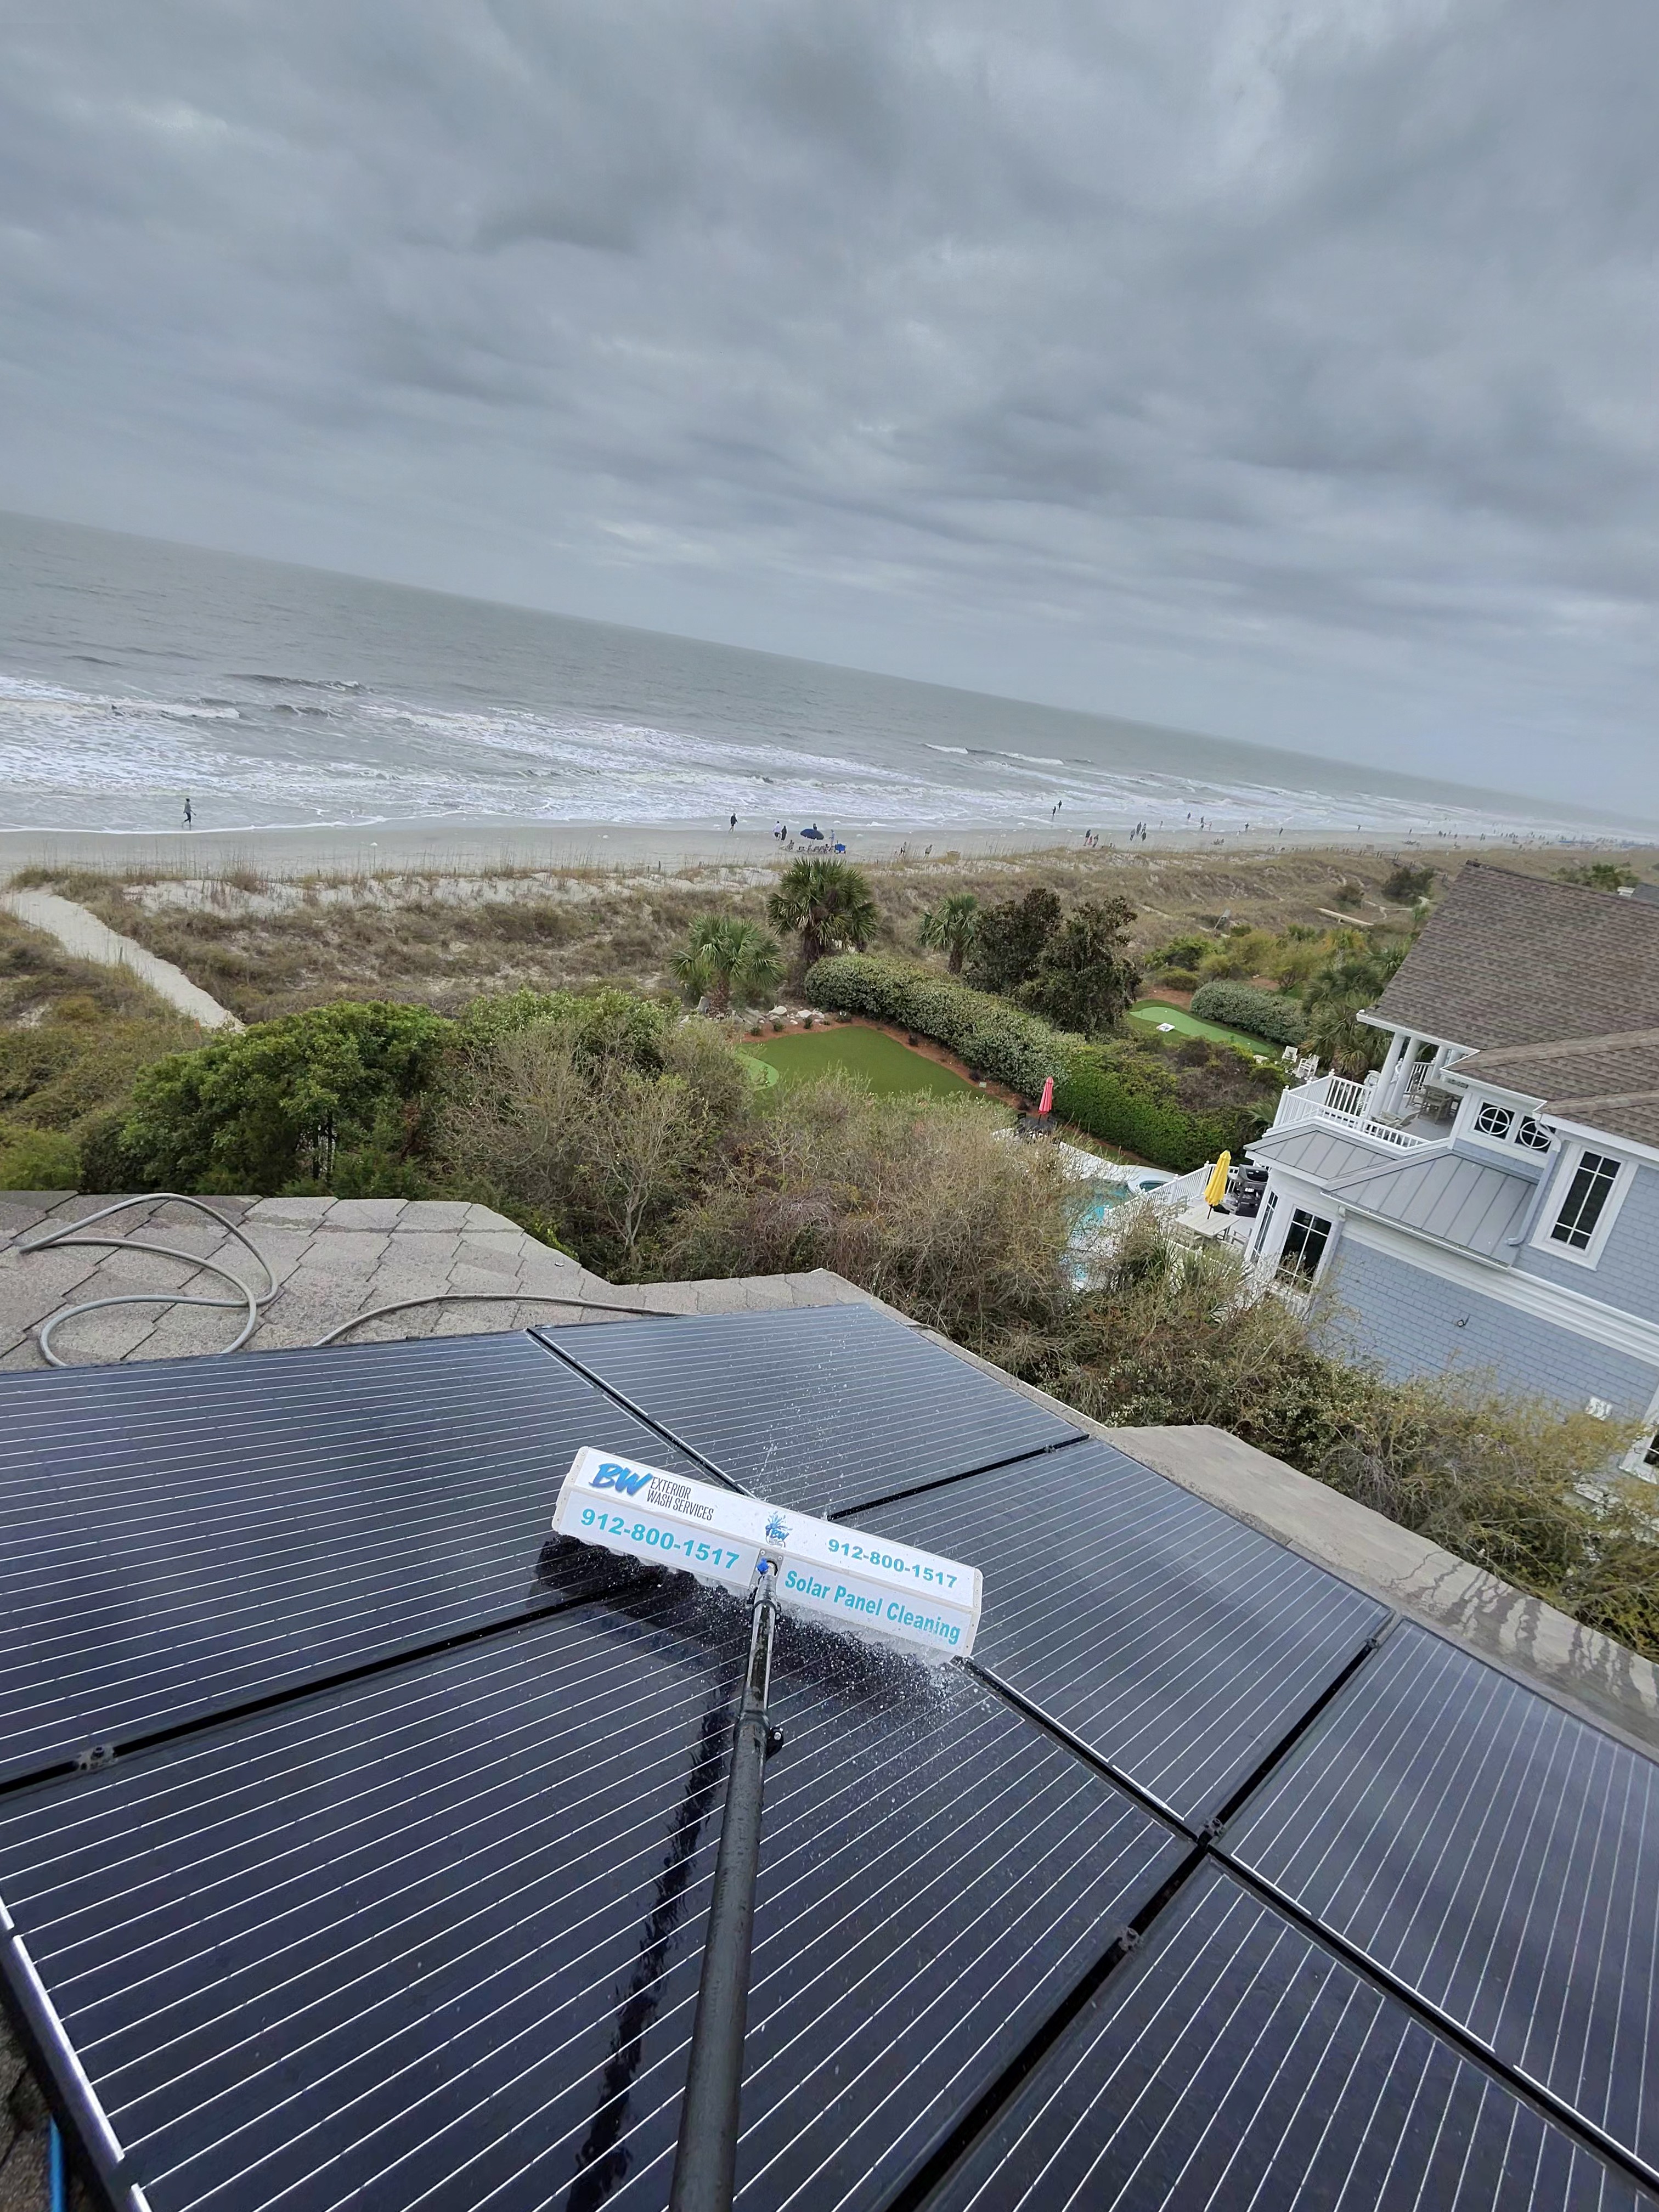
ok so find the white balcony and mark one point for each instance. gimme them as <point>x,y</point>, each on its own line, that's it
<point>1347,1106</point>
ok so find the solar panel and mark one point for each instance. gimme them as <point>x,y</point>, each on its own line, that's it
<point>1177,1642</point>
<point>1233,2061</point>
<point>820,1408</point>
<point>431,1937</point>
<point>1496,1856</point>
<point>184,1534</point>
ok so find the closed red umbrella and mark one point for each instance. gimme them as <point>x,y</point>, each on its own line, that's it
<point>1046,1103</point>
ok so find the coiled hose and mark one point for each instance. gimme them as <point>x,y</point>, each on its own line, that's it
<point>71,1234</point>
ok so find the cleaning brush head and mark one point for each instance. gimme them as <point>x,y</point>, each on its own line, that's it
<point>872,1585</point>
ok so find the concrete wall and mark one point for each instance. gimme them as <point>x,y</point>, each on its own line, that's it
<point>1627,1273</point>
<point>1416,1323</point>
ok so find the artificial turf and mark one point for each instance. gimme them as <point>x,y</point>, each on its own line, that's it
<point>1152,1012</point>
<point>888,1067</point>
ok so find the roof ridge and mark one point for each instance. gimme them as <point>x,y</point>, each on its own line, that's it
<point>1563,1047</point>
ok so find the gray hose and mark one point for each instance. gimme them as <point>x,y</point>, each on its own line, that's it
<point>69,1236</point>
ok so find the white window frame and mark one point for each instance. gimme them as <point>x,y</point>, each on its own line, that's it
<point>1294,1281</point>
<point>1561,1184</point>
<point>1510,1144</point>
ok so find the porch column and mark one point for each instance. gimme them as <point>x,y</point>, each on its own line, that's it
<point>1389,1079</point>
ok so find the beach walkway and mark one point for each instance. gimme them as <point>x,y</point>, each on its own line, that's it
<point>81,933</point>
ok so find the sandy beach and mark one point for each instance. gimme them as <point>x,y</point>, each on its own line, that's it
<point>487,846</point>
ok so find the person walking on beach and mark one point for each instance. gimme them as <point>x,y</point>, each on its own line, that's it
<point>189,816</point>
<point>734,820</point>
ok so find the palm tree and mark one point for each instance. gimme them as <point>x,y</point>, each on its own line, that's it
<point>827,902</point>
<point>725,958</point>
<point>952,926</point>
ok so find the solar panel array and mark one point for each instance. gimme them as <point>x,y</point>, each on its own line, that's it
<point>182,1536</point>
<point>1206,1884</point>
<point>1174,1641</point>
<point>826,1408</point>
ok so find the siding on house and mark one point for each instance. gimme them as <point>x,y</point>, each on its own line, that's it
<point>1627,1273</point>
<point>1388,1311</point>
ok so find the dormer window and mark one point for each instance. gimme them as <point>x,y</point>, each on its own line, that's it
<point>1504,1126</point>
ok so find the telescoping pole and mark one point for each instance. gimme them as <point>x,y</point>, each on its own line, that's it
<point>705,2160</point>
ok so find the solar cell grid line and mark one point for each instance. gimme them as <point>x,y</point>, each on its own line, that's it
<point>1493,1854</point>
<point>819,1407</point>
<point>198,1533</point>
<point>1175,1643</point>
<point>432,1938</point>
<point>1232,2060</point>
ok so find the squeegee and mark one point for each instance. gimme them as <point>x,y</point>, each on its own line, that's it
<point>778,1559</point>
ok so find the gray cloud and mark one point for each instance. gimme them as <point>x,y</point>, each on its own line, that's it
<point>1279,367</point>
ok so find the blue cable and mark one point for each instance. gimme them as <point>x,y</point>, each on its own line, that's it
<point>56,2180</point>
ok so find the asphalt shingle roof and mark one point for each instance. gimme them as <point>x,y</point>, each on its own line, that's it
<point>1514,960</point>
<point>1609,1083</point>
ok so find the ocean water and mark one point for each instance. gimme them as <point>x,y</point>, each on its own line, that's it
<point>134,673</point>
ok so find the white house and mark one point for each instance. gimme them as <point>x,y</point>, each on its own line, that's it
<point>1490,1199</point>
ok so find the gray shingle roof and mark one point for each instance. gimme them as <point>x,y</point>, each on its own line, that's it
<point>1610,1083</point>
<point>1514,960</point>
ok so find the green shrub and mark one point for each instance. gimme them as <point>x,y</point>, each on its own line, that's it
<point>1167,1334</point>
<point>1179,979</point>
<point>287,1101</point>
<point>991,1037</point>
<point>1405,882</point>
<point>1261,1014</point>
<point>38,1159</point>
<point>1131,1096</point>
<point>601,1025</point>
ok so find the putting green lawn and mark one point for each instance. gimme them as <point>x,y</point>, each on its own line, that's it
<point>1152,1012</point>
<point>890,1068</point>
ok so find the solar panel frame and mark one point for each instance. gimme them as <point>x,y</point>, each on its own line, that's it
<point>1487,1851</point>
<point>1177,1644</point>
<point>250,1930</point>
<point>1233,2059</point>
<point>824,1408</point>
<point>185,1537</point>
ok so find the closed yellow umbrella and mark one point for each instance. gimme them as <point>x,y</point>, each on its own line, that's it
<point>1216,1190</point>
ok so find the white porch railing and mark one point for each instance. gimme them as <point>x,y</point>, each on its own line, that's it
<point>1344,1105</point>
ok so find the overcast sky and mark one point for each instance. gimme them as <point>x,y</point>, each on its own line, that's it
<point>1281,368</point>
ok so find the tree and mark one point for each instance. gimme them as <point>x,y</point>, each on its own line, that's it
<point>289,1101</point>
<point>825,902</point>
<point>1011,941</point>
<point>728,959</point>
<point>1352,979</point>
<point>952,926</point>
<point>1407,883</point>
<point>1598,876</point>
<point>1086,978</point>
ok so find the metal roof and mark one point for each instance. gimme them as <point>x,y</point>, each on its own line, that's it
<point>413,1914</point>
<point>1314,1149</point>
<point>1479,1205</point>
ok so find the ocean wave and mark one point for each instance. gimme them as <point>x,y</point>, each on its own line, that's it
<point>294,683</point>
<point>74,758</point>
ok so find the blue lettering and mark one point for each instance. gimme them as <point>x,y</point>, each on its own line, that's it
<point>612,1477</point>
